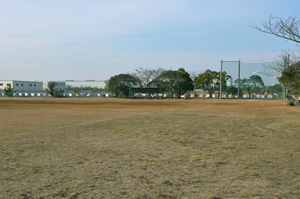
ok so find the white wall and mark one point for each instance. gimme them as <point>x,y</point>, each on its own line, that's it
<point>229,82</point>
<point>58,85</point>
<point>3,84</point>
<point>26,86</point>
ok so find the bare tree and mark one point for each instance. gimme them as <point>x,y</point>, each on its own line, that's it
<point>146,76</point>
<point>285,28</point>
<point>288,69</point>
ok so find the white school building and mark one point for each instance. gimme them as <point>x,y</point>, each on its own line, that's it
<point>38,88</point>
<point>29,86</point>
<point>22,86</point>
<point>60,85</point>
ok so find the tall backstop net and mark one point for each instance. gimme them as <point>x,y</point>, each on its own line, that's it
<point>250,79</point>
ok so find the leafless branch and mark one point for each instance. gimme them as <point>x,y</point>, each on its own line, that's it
<point>279,65</point>
<point>285,28</point>
<point>147,75</point>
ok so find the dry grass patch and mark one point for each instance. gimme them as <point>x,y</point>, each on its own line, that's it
<point>177,149</point>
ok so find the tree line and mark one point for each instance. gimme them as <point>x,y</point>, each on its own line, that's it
<point>180,81</point>
<point>171,81</point>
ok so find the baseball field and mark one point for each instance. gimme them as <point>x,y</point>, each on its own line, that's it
<point>171,148</point>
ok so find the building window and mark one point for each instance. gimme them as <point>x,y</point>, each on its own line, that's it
<point>30,84</point>
<point>22,84</point>
<point>8,84</point>
<point>17,84</point>
<point>34,84</point>
<point>60,84</point>
<point>1,84</point>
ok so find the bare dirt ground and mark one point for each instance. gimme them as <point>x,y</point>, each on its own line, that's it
<point>121,148</point>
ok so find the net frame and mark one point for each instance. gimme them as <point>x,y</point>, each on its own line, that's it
<point>246,65</point>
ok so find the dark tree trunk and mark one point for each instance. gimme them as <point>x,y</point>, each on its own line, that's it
<point>210,94</point>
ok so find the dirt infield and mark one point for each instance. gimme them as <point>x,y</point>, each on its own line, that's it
<point>121,148</point>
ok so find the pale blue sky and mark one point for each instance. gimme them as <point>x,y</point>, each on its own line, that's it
<point>94,39</point>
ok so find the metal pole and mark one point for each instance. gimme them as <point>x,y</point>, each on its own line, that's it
<point>283,90</point>
<point>267,86</point>
<point>286,64</point>
<point>221,81</point>
<point>239,79</point>
<point>284,95</point>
